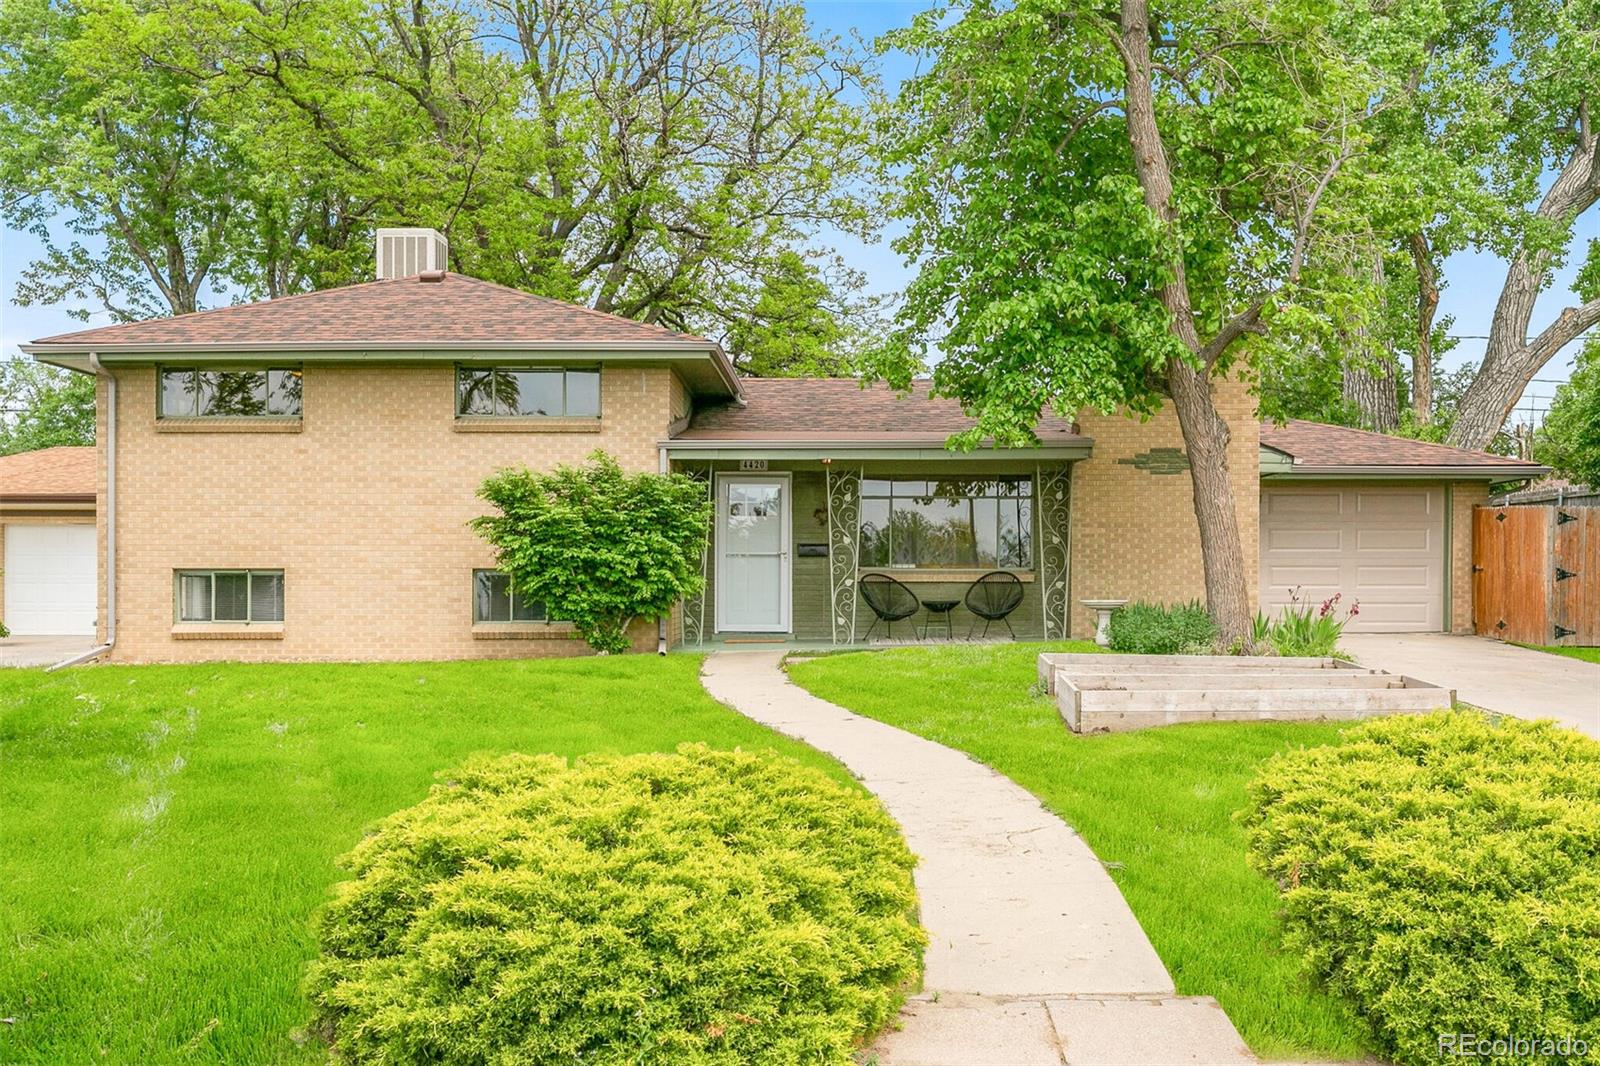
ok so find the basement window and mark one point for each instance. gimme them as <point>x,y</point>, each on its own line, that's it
<point>494,600</point>
<point>527,392</point>
<point>232,596</point>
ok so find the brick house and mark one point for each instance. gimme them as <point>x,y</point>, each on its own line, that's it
<point>293,479</point>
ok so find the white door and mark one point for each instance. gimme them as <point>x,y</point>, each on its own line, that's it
<point>753,554</point>
<point>50,579</point>
<point>1381,545</point>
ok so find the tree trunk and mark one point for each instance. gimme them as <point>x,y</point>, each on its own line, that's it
<point>1367,376</point>
<point>1371,390</point>
<point>1205,433</point>
<point>1427,308</point>
<point>1511,359</point>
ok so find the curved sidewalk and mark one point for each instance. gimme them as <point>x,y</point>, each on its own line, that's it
<point>1034,956</point>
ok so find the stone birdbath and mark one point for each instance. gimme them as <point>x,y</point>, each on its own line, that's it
<point>1102,618</point>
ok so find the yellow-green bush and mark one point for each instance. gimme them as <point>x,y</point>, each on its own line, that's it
<point>700,907</point>
<point>1443,872</point>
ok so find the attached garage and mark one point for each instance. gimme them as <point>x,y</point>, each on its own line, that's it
<point>49,577</point>
<point>1383,521</point>
<point>1382,545</point>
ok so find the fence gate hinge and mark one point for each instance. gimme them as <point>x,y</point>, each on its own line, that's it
<point>1477,569</point>
<point>1562,574</point>
<point>1563,517</point>
<point>1563,631</point>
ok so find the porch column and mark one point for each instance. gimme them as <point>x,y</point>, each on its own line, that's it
<point>1055,516</point>
<point>844,549</point>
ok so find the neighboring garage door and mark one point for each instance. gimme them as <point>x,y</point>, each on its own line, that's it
<point>1383,546</point>
<point>50,579</point>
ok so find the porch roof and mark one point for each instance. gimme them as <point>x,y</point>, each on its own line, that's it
<point>814,417</point>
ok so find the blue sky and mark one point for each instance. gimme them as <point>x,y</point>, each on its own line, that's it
<point>1473,281</point>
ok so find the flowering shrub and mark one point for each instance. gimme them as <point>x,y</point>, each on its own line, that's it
<point>1302,630</point>
<point>1443,872</point>
<point>704,906</point>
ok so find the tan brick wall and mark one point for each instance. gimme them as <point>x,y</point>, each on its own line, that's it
<point>365,510</point>
<point>1134,534</point>
<point>1464,496</point>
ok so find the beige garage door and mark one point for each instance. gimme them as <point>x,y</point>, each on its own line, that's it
<point>1383,546</point>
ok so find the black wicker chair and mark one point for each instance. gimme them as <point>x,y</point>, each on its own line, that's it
<point>992,598</point>
<point>890,600</point>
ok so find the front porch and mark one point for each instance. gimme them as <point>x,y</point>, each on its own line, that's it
<point>794,534</point>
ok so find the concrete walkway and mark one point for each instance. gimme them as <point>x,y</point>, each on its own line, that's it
<point>41,651</point>
<point>1499,677</point>
<point>1034,956</point>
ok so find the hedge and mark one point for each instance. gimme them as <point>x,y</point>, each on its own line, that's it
<point>698,907</point>
<point>1443,872</point>
<point>1153,629</point>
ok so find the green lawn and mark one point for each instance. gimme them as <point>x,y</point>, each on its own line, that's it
<point>1157,806</point>
<point>167,832</point>
<point>1588,655</point>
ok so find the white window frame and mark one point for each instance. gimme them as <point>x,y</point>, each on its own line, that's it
<point>177,596</point>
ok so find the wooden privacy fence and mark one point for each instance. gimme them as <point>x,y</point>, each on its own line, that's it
<point>1536,574</point>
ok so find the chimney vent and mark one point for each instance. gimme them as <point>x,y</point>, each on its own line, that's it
<point>404,251</point>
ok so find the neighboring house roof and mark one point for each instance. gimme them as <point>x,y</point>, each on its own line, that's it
<point>435,310</point>
<point>1554,490</point>
<point>64,474</point>
<point>840,410</point>
<point>1316,448</point>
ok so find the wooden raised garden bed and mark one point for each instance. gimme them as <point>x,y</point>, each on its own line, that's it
<point>1114,693</point>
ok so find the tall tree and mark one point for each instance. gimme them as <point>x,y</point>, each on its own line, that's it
<point>1106,206</point>
<point>42,407</point>
<point>653,158</point>
<point>1569,439</point>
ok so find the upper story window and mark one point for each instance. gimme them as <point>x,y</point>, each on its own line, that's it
<point>527,392</point>
<point>204,392</point>
<point>947,522</point>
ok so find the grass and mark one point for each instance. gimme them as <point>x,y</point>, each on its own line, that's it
<point>1588,655</point>
<point>1157,807</point>
<point>168,831</point>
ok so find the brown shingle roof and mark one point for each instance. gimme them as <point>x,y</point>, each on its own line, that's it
<point>1317,444</point>
<point>456,309</point>
<point>63,472</point>
<point>835,409</point>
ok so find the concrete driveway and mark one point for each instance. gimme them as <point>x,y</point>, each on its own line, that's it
<point>41,651</point>
<point>1496,676</point>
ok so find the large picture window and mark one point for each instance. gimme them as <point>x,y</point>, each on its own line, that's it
<point>494,600</point>
<point>201,392</point>
<point>230,596</point>
<point>527,392</point>
<point>947,522</point>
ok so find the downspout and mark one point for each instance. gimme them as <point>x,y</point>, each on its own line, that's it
<point>111,519</point>
<point>661,623</point>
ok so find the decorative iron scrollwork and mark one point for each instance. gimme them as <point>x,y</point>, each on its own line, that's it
<point>844,550</point>
<point>1054,491</point>
<point>694,607</point>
